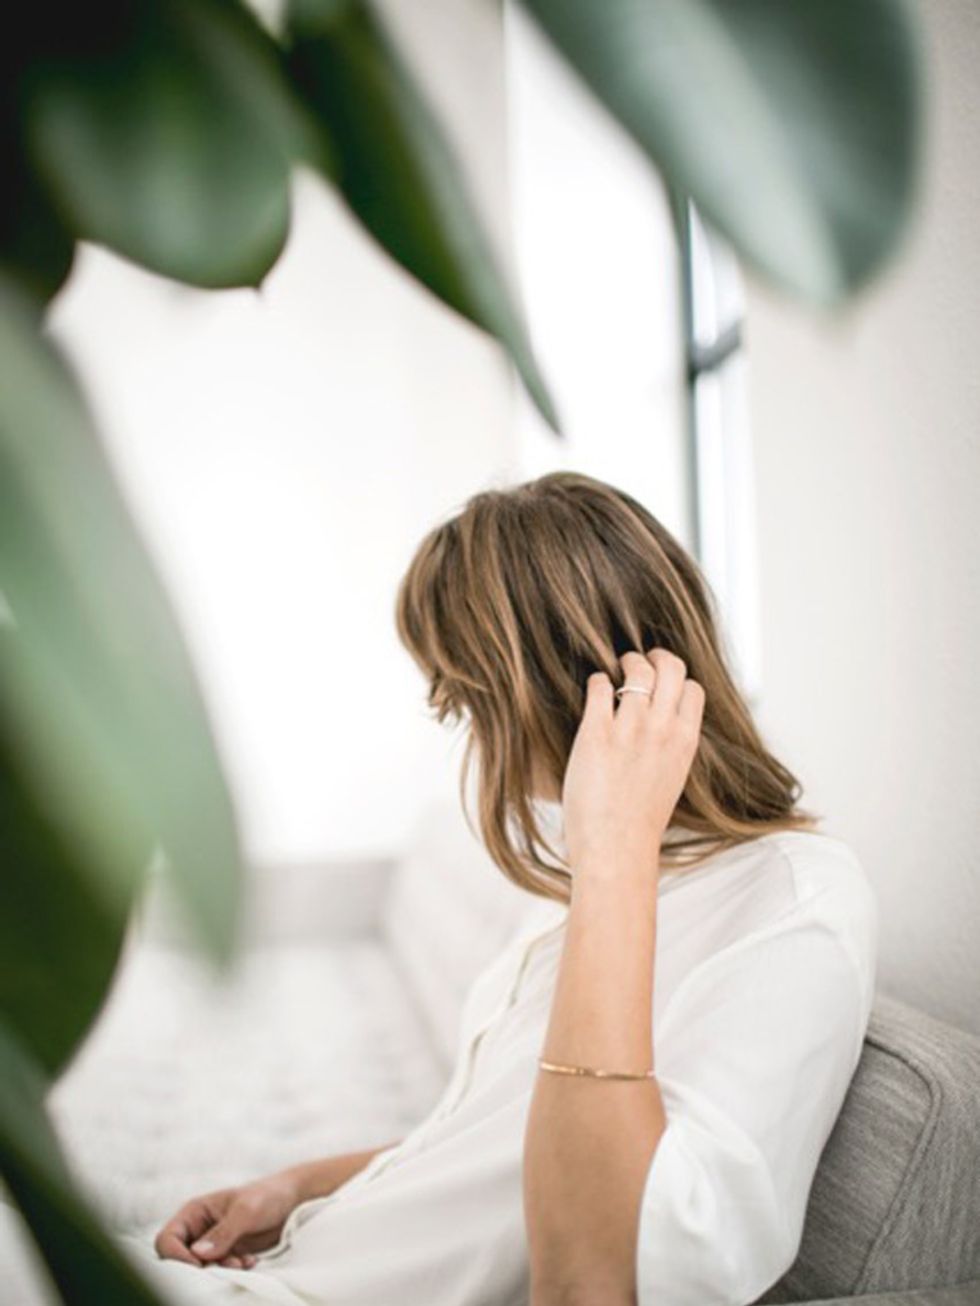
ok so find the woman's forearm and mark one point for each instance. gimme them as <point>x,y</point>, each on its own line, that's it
<point>589,1142</point>
<point>320,1177</point>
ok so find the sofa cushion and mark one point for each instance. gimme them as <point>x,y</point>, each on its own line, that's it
<point>895,1201</point>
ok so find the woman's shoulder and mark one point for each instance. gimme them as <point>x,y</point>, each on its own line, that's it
<point>822,874</point>
<point>783,880</point>
<point>817,858</point>
<point>831,886</point>
<point>805,879</point>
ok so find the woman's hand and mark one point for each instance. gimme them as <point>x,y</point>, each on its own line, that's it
<point>629,764</point>
<point>225,1227</point>
<point>588,1148</point>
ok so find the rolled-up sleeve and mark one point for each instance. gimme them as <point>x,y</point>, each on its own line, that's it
<point>754,1054</point>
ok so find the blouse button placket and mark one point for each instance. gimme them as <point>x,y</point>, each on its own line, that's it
<point>503,1006</point>
<point>449,1106</point>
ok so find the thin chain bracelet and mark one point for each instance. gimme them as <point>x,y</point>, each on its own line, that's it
<point>595,1074</point>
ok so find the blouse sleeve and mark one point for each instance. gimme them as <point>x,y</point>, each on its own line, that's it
<point>754,1053</point>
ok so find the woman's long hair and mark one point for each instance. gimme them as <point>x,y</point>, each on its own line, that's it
<point>510,605</point>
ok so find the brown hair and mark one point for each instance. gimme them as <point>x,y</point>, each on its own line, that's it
<point>509,606</point>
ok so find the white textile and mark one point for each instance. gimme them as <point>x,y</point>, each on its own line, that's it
<point>763,987</point>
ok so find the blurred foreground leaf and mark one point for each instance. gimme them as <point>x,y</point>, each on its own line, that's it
<point>36,248</point>
<point>164,129</point>
<point>385,150</point>
<point>60,940</point>
<point>82,1261</point>
<point>100,711</point>
<point>792,124</point>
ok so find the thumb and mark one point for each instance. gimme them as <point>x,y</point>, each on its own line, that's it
<point>221,1237</point>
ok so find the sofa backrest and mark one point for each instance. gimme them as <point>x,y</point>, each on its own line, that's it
<point>895,1202</point>
<point>447,913</point>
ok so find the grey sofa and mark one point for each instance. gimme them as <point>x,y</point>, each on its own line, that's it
<point>894,1212</point>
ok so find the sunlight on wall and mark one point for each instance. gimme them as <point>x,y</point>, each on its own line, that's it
<point>599,265</point>
<point>867,467</point>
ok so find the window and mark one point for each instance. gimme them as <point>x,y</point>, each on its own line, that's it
<point>720,441</point>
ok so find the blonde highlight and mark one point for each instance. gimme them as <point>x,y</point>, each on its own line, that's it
<point>509,606</point>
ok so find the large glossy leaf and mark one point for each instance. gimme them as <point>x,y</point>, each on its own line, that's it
<point>35,247</point>
<point>60,934</point>
<point>793,124</point>
<point>164,130</point>
<point>99,705</point>
<point>82,1261</point>
<point>388,155</point>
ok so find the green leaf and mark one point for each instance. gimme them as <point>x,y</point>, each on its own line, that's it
<point>383,146</point>
<point>35,247</point>
<point>792,124</point>
<point>164,130</point>
<point>99,706</point>
<point>82,1261</point>
<point>60,938</point>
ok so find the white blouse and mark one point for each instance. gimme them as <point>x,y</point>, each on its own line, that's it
<point>763,985</point>
<point>765,994</point>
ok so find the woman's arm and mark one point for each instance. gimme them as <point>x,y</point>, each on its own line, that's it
<point>228,1225</point>
<point>589,1142</point>
<point>319,1178</point>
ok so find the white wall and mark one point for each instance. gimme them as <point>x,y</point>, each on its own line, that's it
<point>285,451</point>
<point>867,452</point>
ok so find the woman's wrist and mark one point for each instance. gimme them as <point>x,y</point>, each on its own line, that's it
<point>310,1179</point>
<point>622,868</point>
<point>321,1177</point>
<point>300,1180</point>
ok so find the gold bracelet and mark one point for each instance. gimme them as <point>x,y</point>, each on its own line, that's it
<point>596,1074</point>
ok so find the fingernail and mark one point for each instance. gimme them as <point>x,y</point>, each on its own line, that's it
<point>203,1245</point>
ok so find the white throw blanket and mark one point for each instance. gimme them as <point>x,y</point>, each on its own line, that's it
<point>188,1084</point>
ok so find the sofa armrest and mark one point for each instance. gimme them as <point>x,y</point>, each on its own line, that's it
<point>960,1294</point>
<point>329,901</point>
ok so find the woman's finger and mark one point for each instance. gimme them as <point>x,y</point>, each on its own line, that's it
<point>691,706</point>
<point>222,1237</point>
<point>238,1260</point>
<point>638,673</point>
<point>671,672</point>
<point>171,1243</point>
<point>598,699</point>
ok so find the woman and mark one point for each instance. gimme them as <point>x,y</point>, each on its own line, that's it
<point>648,1074</point>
